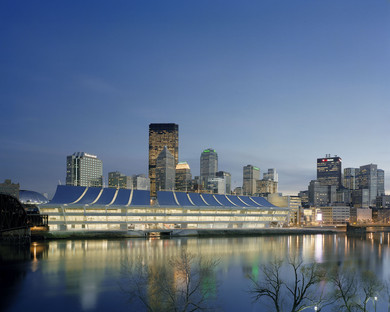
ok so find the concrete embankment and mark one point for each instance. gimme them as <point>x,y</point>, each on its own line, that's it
<point>188,233</point>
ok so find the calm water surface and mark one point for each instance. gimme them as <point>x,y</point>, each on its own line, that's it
<point>85,275</point>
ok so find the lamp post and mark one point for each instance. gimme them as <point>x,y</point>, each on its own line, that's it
<point>315,308</point>
<point>375,299</point>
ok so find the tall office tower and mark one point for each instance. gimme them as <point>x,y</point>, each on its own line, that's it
<point>119,180</point>
<point>160,135</point>
<point>208,165</point>
<point>351,178</point>
<point>165,171</point>
<point>381,182</point>
<point>183,177</point>
<point>250,176</point>
<point>228,180</point>
<point>368,179</point>
<point>271,175</point>
<point>329,171</point>
<point>84,169</point>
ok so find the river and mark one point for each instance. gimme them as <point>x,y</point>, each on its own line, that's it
<point>88,275</point>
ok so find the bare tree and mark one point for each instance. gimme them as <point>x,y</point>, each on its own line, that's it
<point>185,284</point>
<point>353,291</point>
<point>290,294</point>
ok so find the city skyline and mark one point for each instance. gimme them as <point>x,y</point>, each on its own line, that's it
<point>272,84</point>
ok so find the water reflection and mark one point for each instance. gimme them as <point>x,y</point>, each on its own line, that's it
<point>84,274</point>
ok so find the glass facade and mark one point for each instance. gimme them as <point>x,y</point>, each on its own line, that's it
<point>160,135</point>
<point>165,171</point>
<point>329,171</point>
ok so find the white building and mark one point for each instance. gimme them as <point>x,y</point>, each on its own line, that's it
<point>84,169</point>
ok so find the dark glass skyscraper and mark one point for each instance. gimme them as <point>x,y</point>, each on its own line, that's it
<point>329,171</point>
<point>160,135</point>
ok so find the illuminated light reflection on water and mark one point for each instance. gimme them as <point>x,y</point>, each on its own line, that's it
<point>84,275</point>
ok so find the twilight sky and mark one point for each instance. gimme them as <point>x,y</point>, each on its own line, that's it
<point>272,83</point>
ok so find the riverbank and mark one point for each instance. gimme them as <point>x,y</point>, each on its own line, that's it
<point>69,234</point>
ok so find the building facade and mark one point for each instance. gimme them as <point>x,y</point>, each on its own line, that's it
<point>208,165</point>
<point>250,175</point>
<point>141,182</point>
<point>350,180</point>
<point>84,169</point>
<point>183,177</point>
<point>329,171</point>
<point>161,135</point>
<point>228,180</point>
<point>165,171</point>
<point>119,180</point>
<point>368,179</point>
<point>381,182</point>
<point>271,175</point>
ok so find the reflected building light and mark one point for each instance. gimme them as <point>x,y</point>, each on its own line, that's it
<point>318,251</point>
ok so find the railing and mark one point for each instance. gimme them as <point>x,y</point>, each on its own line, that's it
<point>37,220</point>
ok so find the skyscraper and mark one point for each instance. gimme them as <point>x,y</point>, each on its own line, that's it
<point>329,171</point>
<point>183,176</point>
<point>250,175</point>
<point>381,182</point>
<point>165,171</point>
<point>351,178</point>
<point>160,135</point>
<point>208,165</point>
<point>368,179</point>
<point>84,169</point>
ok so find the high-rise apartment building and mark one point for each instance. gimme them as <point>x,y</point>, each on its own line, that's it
<point>329,171</point>
<point>368,179</point>
<point>165,171</point>
<point>161,135</point>
<point>84,169</point>
<point>250,175</point>
<point>351,178</point>
<point>183,177</point>
<point>119,180</point>
<point>208,165</point>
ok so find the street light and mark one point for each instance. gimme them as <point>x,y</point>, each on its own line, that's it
<point>315,308</point>
<point>375,299</point>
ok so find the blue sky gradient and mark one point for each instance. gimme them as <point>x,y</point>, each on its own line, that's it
<point>272,83</point>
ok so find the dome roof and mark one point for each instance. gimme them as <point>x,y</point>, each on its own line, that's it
<point>31,197</point>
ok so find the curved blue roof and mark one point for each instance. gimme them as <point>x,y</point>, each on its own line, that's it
<point>166,198</point>
<point>209,198</point>
<point>80,195</point>
<point>122,198</point>
<point>182,198</point>
<point>66,194</point>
